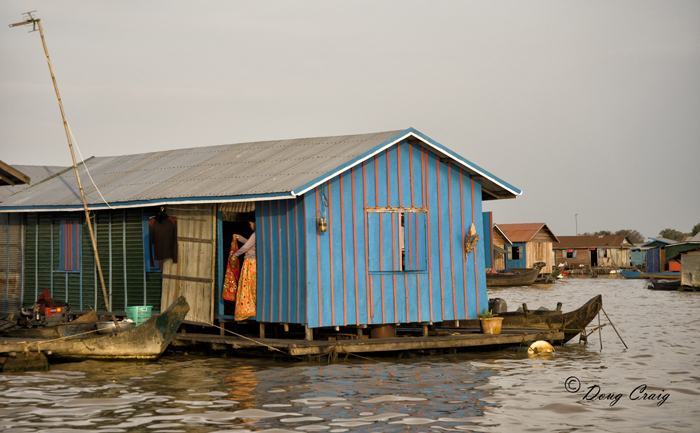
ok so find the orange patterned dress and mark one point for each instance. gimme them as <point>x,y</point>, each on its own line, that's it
<point>247,297</point>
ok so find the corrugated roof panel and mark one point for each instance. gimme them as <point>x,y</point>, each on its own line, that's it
<point>234,170</point>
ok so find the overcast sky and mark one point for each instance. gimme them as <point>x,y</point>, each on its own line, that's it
<point>592,108</point>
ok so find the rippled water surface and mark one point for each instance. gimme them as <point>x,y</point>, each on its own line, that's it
<point>653,385</point>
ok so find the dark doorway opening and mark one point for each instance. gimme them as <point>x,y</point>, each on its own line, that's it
<point>594,256</point>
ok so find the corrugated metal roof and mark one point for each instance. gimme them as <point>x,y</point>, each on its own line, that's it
<point>234,172</point>
<point>36,173</point>
<point>592,242</point>
<point>525,232</point>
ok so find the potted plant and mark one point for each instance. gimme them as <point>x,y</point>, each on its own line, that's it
<point>490,323</point>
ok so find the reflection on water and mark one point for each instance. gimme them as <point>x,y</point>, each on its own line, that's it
<point>505,390</point>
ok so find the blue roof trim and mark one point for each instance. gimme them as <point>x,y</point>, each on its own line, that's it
<point>465,161</point>
<point>349,164</point>
<point>154,202</point>
<point>440,147</point>
<point>656,240</point>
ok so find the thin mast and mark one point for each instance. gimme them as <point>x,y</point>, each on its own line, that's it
<point>37,22</point>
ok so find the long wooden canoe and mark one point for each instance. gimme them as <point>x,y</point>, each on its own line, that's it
<point>571,323</point>
<point>147,341</point>
<point>80,326</point>
<point>519,277</point>
<point>662,275</point>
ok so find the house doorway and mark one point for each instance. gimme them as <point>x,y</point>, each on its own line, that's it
<point>234,222</point>
<point>594,256</point>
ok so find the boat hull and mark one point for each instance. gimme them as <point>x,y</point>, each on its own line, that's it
<point>662,275</point>
<point>524,277</point>
<point>571,323</point>
<point>145,342</point>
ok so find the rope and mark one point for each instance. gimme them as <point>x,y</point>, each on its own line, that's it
<point>37,343</point>
<point>85,165</point>
<point>248,338</point>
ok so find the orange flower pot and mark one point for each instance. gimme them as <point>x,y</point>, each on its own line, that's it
<point>491,325</point>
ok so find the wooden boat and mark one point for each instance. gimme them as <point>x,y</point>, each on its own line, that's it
<point>655,284</point>
<point>662,275</point>
<point>512,277</point>
<point>631,275</point>
<point>147,341</point>
<point>80,326</point>
<point>571,323</point>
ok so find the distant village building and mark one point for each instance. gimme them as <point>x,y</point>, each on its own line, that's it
<point>353,230</point>
<point>655,254</point>
<point>610,251</point>
<point>499,245</point>
<point>527,244</point>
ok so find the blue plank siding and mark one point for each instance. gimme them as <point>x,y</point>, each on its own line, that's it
<point>354,273</point>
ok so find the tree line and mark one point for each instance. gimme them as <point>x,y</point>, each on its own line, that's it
<point>635,237</point>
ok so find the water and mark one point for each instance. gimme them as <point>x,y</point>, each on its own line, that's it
<point>487,391</point>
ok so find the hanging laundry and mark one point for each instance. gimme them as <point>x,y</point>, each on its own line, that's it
<point>162,232</point>
<point>233,272</point>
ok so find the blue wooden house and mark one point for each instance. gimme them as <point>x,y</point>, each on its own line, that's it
<point>351,230</point>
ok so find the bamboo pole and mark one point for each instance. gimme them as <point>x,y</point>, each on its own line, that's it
<point>37,21</point>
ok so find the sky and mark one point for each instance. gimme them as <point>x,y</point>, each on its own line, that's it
<point>591,108</point>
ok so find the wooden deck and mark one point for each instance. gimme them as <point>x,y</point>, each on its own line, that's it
<point>462,339</point>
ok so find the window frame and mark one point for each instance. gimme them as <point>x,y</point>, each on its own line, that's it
<point>410,237</point>
<point>76,240</point>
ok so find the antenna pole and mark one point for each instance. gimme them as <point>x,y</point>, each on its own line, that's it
<point>37,22</point>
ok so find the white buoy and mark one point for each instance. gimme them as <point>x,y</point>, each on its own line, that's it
<point>540,346</point>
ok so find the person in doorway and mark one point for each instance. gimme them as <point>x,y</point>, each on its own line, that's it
<point>246,299</point>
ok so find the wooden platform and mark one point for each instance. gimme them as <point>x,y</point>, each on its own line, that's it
<point>462,339</point>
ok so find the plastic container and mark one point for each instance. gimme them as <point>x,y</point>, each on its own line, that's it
<point>139,314</point>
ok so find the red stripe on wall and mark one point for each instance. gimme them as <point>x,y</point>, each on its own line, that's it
<point>354,248</point>
<point>272,287</point>
<point>424,160</point>
<point>261,229</point>
<point>439,212</point>
<point>402,257</point>
<point>464,253</point>
<point>279,261</point>
<point>330,234</point>
<point>342,245</point>
<point>368,283</point>
<point>296,257</point>
<point>381,247</point>
<point>393,257</point>
<point>452,262</point>
<point>410,163</point>
<point>306,275</point>
<point>318,257</point>
<point>476,272</point>
<point>289,263</point>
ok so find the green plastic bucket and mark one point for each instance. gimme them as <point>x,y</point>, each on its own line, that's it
<point>139,314</point>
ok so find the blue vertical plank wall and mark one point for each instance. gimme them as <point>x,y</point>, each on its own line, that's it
<point>281,261</point>
<point>340,289</point>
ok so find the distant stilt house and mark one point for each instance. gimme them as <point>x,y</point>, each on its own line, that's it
<point>14,178</point>
<point>655,254</point>
<point>351,230</point>
<point>500,243</point>
<point>529,243</point>
<point>687,255</point>
<point>610,251</point>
